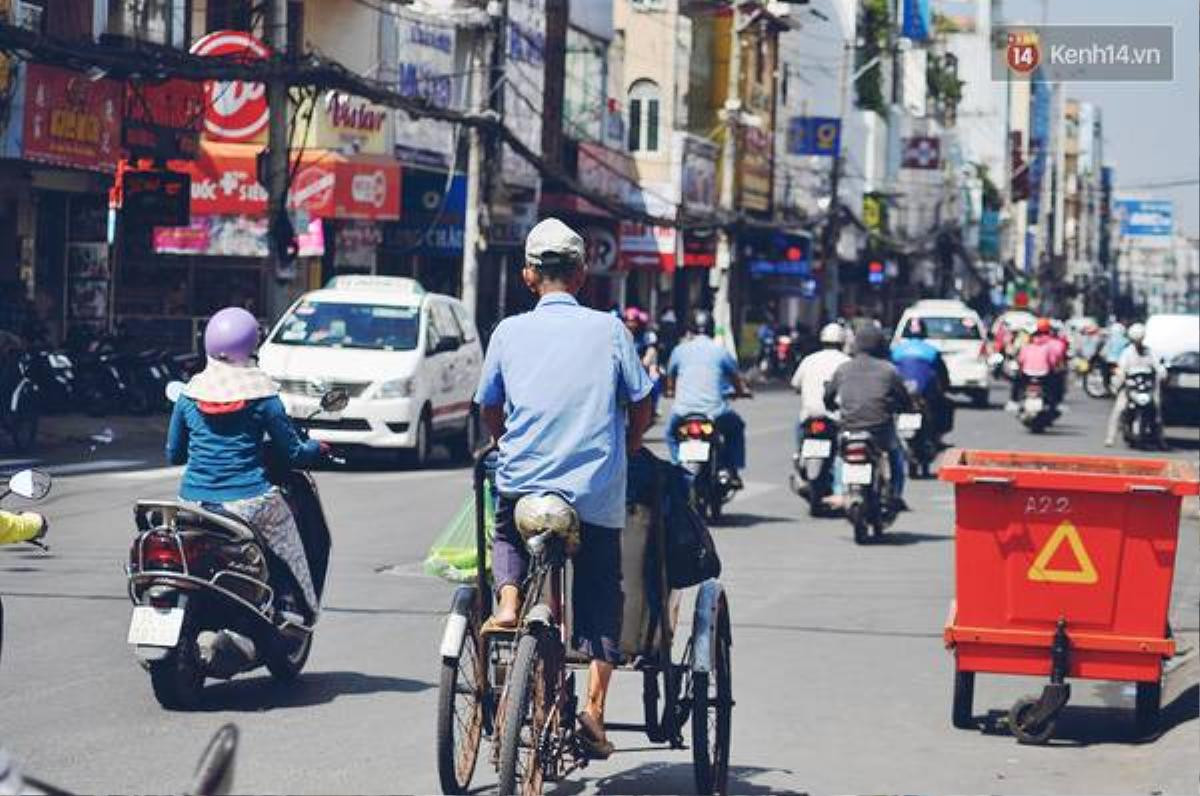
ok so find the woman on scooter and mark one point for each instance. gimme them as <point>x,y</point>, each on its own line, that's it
<point>217,430</point>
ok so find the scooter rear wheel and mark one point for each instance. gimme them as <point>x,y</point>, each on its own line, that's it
<point>286,659</point>
<point>178,679</point>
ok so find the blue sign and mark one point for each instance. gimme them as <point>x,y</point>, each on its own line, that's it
<point>1039,142</point>
<point>918,22</point>
<point>814,135</point>
<point>431,217</point>
<point>1145,218</point>
<point>989,234</point>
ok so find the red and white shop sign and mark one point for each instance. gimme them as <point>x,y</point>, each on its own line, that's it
<point>237,111</point>
<point>71,120</point>
<point>367,188</point>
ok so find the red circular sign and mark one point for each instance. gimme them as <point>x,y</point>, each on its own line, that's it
<point>236,111</point>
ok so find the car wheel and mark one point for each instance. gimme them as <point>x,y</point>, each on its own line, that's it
<point>418,457</point>
<point>466,442</point>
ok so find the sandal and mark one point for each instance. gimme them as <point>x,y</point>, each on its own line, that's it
<point>493,625</point>
<point>595,744</point>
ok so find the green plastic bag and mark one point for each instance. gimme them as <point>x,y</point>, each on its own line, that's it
<point>453,555</point>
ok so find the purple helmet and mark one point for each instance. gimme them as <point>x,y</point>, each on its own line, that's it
<point>231,336</point>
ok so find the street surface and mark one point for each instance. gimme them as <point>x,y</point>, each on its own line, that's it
<point>841,680</point>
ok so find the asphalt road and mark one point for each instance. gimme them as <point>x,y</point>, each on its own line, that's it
<point>841,680</point>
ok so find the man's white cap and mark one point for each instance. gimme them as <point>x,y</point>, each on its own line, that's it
<point>553,242</point>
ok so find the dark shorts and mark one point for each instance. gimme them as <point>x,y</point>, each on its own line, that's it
<point>597,600</point>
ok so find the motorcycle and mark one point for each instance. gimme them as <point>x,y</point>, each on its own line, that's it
<point>19,413</point>
<point>813,463</point>
<point>204,587</point>
<point>53,374</point>
<point>1139,421</point>
<point>867,475</point>
<point>700,451</point>
<point>31,485</point>
<point>916,434</point>
<point>1034,409</point>
<point>213,775</point>
<point>1097,380</point>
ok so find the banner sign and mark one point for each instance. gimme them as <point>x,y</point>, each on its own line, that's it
<point>524,88</point>
<point>232,236</point>
<point>1145,218</point>
<point>814,135</point>
<point>237,111</point>
<point>424,71</point>
<point>71,120</point>
<point>163,119</point>
<point>918,21</point>
<point>921,152</point>
<point>156,199</point>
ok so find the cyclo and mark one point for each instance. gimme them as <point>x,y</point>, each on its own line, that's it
<point>517,688</point>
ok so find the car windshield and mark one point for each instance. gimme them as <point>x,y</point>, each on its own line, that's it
<point>962,327</point>
<point>338,325</point>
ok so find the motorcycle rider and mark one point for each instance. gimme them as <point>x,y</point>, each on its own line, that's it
<point>870,393</point>
<point>217,430</point>
<point>920,362</point>
<point>815,371</point>
<point>25,526</point>
<point>645,340</point>
<point>557,386</point>
<point>1043,355</point>
<point>698,375</point>
<point>1135,356</point>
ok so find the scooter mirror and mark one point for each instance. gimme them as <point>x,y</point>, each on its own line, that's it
<point>31,484</point>
<point>174,391</point>
<point>214,772</point>
<point>335,400</point>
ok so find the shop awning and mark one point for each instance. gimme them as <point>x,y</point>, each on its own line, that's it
<point>327,184</point>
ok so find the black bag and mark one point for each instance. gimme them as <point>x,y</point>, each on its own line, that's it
<point>691,553</point>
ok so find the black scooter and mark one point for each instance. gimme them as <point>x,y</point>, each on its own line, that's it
<point>19,412</point>
<point>813,463</point>
<point>867,474</point>
<point>700,445</point>
<point>1139,421</point>
<point>916,433</point>
<point>204,588</point>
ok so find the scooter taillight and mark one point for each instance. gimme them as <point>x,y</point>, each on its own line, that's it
<point>162,551</point>
<point>695,429</point>
<point>856,452</point>
<point>817,426</point>
<point>1033,390</point>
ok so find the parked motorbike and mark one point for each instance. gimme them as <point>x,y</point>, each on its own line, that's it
<point>31,485</point>
<point>700,451</point>
<point>1034,408</point>
<point>813,463</point>
<point>53,374</point>
<point>205,587</point>
<point>867,476</point>
<point>1139,421</point>
<point>213,775</point>
<point>1097,380</point>
<point>916,430</point>
<point>19,401</point>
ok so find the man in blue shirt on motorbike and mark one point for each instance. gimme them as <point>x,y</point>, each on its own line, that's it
<point>701,374</point>
<point>924,373</point>
<point>565,395</point>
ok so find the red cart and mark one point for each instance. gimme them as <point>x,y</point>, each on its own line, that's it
<point>1063,567</point>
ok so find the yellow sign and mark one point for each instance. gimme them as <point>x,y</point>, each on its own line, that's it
<point>346,124</point>
<point>1040,570</point>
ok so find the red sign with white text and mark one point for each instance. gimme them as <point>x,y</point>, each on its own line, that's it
<point>71,120</point>
<point>327,185</point>
<point>237,111</point>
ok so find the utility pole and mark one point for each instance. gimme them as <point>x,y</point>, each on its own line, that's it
<point>726,242</point>
<point>829,263</point>
<point>282,251</point>
<point>484,77</point>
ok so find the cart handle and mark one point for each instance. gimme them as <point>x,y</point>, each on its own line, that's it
<point>999,480</point>
<point>1147,488</point>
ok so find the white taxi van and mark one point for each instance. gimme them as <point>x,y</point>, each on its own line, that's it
<point>410,361</point>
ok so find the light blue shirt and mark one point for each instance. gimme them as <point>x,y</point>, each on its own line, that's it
<point>564,374</point>
<point>702,369</point>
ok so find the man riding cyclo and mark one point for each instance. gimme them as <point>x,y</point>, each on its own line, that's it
<point>869,392</point>
<point>701,375</point>
<point>922,364</point>
<point>566,397</point>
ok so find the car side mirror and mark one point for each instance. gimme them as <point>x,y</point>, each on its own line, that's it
<point>446,345</point>
<point>31,484</point>
<point>335,400</point>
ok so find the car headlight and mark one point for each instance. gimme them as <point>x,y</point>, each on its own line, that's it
<point>395,388</point>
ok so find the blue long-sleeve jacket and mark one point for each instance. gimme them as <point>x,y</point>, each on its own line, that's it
<point>224,452</point>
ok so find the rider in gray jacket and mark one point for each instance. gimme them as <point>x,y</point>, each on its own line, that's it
<point>869,393</point>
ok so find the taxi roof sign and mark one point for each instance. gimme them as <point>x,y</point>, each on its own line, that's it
<point>391,284</point>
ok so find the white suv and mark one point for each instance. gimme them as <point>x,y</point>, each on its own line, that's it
<point>410,361</point>
<point>956,330</point>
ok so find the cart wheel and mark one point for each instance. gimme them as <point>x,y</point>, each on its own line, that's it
<point>1147,707</point>
<point>460,714</point>
<point>528,705</point>
<point>964,701</point>
<point>1018,722</point>
<point>712,713</point>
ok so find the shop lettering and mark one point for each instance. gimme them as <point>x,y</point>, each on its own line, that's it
<point>343,112</point>
<point>430,37</point>
<point>369,189</point>
<point>75,126</point>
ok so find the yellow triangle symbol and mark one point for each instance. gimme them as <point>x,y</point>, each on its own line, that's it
<point>1039,570</point>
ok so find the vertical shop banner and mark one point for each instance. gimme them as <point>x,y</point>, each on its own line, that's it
<point>524,68</point>
<point>1039,141</point>
<point>425,70</point>
<point>71,120</point>
<point>608,172</point>
<point>918,21</point>
<point>694,161</point>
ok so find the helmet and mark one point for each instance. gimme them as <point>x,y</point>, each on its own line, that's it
<point>231,336</point>
<point>833,334</point>
<point>1137,333</point>
<point>632,315</point>
<point>1117,328</point>
<point>915,328</point>
<point>702,323</point>
<point>548,513</point>
<point>1044,326</point>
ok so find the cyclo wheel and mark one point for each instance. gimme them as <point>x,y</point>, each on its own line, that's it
<point>712,712</point>
<point>460,714</point>
<point>526,713</point>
